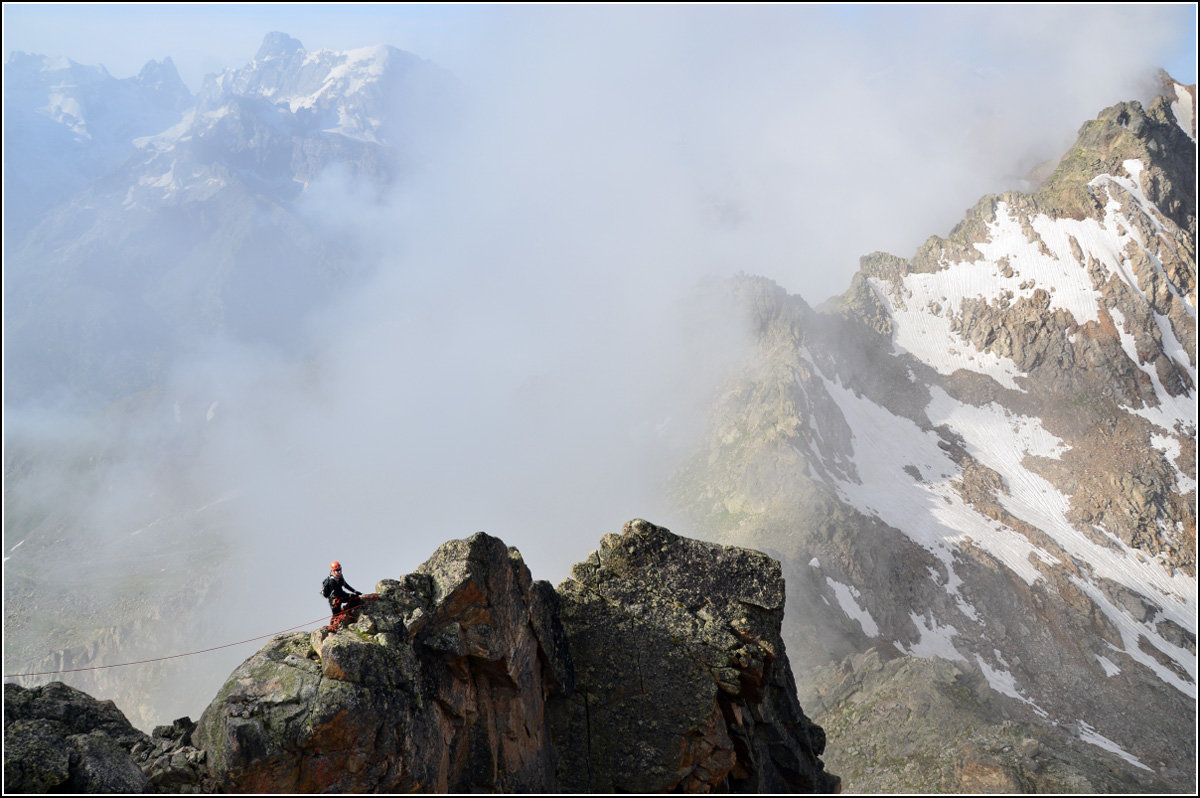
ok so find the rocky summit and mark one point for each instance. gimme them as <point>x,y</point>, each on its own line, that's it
<point>657,667</point>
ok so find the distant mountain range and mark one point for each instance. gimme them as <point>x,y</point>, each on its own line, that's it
<point>142,220</point>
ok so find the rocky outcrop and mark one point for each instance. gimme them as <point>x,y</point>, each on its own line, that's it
<point>658,667</point>
<point>171,762</point>
<point>682,681</point>
<point>58,739</point>
<point>440,685</point>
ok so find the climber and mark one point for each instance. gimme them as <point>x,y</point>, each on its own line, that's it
<point>342,597</point>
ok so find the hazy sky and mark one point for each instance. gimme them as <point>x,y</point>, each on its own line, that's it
<point>616,155</point>
<point>204,38</point>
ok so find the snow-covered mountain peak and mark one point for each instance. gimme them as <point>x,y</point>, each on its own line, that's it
<point>350,93</point>
<point>278,45</point>
<point>161,74</point>
<point>21,64</point>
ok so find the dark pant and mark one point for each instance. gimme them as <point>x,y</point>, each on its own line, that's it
<point>340,606</point>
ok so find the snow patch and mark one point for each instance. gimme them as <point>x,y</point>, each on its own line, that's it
<point>936,641</point>
<point>168,138</point>
<point>1036,501</point>
<point>1171,450</point>
<point>1179,608</point>
<point>1110,668</point>
<point>1012,267</point>
<point>1004,683</point>
<point>66,110</point>
<point>935,516</point>
<point>1069,286</point>
<point>1172,412</point>
<point>814,563</point>
<point>1090,735</point>
<point>932,513</point>
<point>846,595</point>
<point>1184,110</point>
<point>927,335</point>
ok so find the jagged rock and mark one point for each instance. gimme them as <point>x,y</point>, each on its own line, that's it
<point>100,764</point>
<point>467,675</point>
<point>682,683</point>
<point>448,694</point>
<point>58,739</point>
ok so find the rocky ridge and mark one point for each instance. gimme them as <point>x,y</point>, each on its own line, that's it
<point>657,667</point>
<point>986,453</point>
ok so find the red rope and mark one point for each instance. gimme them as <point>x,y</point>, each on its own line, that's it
<point>172,656</point>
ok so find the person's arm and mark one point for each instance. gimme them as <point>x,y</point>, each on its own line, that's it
<point>349,589</point>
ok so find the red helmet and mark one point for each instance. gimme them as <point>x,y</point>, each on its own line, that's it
<point>335,566</point>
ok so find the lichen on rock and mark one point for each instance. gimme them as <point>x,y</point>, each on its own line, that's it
<point>682,682</point>
<point>440,685</point>
<point>59,739</point>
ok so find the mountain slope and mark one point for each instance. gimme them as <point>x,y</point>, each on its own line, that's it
<point>987,453</point>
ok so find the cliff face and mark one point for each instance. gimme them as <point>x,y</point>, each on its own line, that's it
<point>657,667</point>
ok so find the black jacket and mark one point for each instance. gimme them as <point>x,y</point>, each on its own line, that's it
<point>335,587</point>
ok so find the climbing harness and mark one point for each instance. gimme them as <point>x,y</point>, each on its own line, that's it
<point>342,617</point>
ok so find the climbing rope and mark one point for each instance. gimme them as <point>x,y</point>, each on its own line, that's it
<point>172,656</point>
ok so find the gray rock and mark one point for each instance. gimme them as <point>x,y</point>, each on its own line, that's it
<point>59,739</point>
<point>682,682</point>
